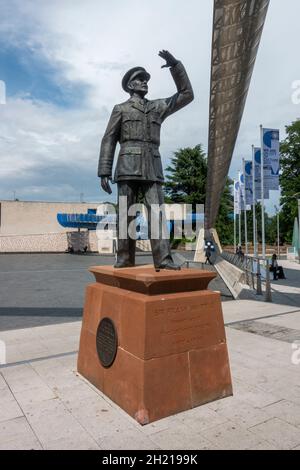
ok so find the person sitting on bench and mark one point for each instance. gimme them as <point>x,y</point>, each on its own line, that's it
<point>277,271</point>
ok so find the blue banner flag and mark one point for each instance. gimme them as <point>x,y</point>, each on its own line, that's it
<point>248,182</point>
<point>271,158</point>
<point>257,164</point>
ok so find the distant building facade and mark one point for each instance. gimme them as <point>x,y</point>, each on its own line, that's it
<point>31,226</point>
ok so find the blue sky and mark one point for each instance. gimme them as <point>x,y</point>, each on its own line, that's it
<point>28,74</point>
<point>63,61</point>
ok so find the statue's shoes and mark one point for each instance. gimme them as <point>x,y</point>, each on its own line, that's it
<point>118,265</point>
<point>168,265</point>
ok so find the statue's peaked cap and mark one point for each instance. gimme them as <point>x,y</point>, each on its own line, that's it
<point>132,74</point>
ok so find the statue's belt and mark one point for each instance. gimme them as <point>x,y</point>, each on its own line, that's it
<point>138,147</point>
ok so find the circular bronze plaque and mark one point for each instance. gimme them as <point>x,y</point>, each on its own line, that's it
<point>106,342</point>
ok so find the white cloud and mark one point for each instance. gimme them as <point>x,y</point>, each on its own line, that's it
<point>42,145</point>
<point>94,42</point>
<point>33,131</point>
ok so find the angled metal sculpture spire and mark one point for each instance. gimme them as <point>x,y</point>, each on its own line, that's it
<point>237,29</point>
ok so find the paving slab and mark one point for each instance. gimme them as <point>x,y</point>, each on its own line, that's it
<point>180,436</point>
<point>286,411</point>
<point>9,407</point>
<point>17,434</point>
<point>231,436</point>
<point>278,433</point>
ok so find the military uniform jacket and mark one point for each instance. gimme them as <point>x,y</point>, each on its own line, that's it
<point>136,125</point>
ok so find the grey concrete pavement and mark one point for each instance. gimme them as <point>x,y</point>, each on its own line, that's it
<point>45,404</point>
<point>41,289</point>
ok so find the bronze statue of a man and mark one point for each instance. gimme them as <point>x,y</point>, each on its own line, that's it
<point>136,125</point>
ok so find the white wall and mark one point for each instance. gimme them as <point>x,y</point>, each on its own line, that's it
<point>30,218</point>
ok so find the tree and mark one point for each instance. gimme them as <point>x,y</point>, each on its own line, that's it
<point>271,230</point>
<point>224,223</point>
<point>290,179</point>
<point>186,183</point>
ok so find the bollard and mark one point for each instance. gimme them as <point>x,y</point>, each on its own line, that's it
<point>249,265</point>
<point>252,274</point>
<point>247,272</point>
<point>268,295</point>
<point>258,279</point>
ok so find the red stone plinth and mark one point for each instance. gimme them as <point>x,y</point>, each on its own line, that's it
<point>172,352</point>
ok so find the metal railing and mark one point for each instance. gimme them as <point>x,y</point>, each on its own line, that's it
<point>257,272</point>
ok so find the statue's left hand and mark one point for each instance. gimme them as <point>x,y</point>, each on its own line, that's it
<point>169,58</point>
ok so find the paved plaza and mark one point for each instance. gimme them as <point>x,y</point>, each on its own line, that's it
<point>45,404</point>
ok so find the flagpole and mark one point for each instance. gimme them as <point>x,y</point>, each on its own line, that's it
<point>240,209</point>
<point>245,210</point>
<point>246,230</point>
<point>240,228</point>
<point>254,202</point>
<point>234,237</point>
<point>256,235</point>
<point>234,214</point>
<point>263,236</point>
